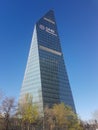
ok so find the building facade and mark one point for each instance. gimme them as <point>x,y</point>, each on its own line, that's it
<point>45,76</point>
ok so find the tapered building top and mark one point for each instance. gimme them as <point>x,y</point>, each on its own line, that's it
<point>50,16</point>
<point>45,76</point>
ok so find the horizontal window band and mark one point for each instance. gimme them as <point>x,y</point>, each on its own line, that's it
<point>50,50</point>
<point>49,20</point>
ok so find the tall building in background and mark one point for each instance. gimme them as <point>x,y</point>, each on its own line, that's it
<point>45,76</point>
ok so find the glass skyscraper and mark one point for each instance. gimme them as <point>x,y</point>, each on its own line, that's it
<point>45,76</point>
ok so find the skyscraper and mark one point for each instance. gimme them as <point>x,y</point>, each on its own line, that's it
<point>45,76</point>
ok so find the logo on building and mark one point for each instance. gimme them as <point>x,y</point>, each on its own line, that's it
<point>47,29</point>
<point>42,27</point>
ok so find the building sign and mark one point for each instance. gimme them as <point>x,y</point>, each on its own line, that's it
<point>42,27</point>
<point>47,29</point>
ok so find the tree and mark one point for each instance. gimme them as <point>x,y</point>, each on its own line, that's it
<point>61,117</point>
<point>48,118</point>
<point>27,111</point>
<point>95,115</point>
<point>7,110</point>
<point>65,117</point>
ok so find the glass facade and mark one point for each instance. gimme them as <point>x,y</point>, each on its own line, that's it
<point>45,76</point>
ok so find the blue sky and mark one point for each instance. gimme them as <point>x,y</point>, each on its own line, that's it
<point>77,22</point>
